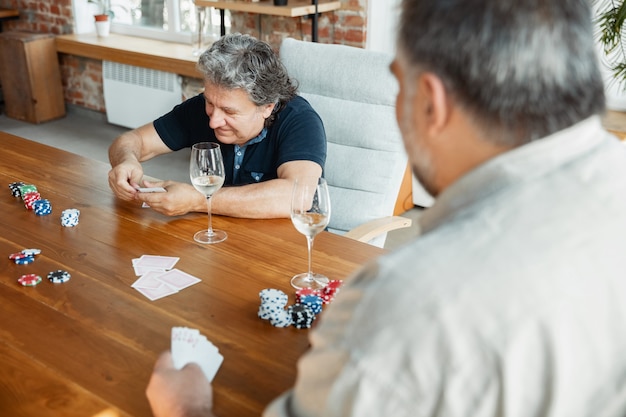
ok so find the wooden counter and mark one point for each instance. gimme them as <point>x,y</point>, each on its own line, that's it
<point>132,50</point>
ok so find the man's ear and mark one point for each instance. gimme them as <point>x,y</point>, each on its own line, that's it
<point>267,109</point>
<point>435,105</point>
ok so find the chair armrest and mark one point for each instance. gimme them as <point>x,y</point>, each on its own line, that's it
<point>371,229</point>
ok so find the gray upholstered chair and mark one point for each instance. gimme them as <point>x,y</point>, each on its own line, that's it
<point>354,92</point>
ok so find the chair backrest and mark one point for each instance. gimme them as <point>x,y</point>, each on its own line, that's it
<point>354,93</point>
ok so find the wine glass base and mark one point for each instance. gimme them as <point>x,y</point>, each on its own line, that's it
<point>306,280</point>
<point>203,236</point>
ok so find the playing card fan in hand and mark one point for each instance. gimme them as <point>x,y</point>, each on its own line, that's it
<point>188,346</point>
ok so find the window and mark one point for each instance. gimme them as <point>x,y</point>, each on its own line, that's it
<point>168,20</point>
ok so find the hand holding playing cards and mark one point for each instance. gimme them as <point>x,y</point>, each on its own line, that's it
<point>124,179</point>
<point>179,393</point>
<point>189,346</point>
<point>178,200</point>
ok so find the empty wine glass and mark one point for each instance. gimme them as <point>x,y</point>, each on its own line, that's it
<point>206,170</point>
<point>310,213</point>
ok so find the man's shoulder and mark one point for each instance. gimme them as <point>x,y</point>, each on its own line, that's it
<point>298,104</point>
<point>298,112</point>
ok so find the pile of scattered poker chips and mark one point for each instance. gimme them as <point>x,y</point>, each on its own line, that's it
<point>27,256</point>
<point>301,314</point>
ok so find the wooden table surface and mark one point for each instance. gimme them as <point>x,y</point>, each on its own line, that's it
<point>87,347</point>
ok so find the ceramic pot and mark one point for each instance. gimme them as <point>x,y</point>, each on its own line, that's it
<point>103,25</point>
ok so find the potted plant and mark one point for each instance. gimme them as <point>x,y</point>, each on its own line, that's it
<point>610,17</point>
<point>103,17</point>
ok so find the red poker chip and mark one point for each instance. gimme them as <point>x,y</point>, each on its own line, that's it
<point>29,280</point>
<point>18,255</point>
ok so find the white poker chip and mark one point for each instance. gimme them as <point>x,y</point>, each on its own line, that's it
<point>31,252</point>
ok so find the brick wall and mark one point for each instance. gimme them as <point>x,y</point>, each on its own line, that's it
<point>82,77</point>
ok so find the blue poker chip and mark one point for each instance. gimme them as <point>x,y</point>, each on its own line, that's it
<point>25,260</point>
<point>314,302</point>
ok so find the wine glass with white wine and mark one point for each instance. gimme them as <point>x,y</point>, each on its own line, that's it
<point>206,170</point>
<point>310,213</point>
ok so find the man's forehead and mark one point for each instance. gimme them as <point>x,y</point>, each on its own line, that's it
<point>231,97</point>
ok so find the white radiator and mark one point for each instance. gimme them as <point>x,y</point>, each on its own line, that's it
<point>134,96</point>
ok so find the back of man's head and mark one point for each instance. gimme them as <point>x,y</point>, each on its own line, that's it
<point>522,69</point>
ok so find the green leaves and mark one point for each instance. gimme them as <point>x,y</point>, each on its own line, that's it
<point>611,15</point>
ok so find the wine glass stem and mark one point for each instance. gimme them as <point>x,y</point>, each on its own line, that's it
<point>309,242</point>
<point>208,209</point>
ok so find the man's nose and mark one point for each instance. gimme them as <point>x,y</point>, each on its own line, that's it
<point>216,119</point>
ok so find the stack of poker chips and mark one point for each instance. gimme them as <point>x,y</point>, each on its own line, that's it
<point>42,207</point>
<point>15,188</point>
<point>327,294</point>
<point>69,217</point>
<point>272,307</point>
<point>30,198</point>
<point>302,315</point>
<point>26,188</point>
<point>314,302</point>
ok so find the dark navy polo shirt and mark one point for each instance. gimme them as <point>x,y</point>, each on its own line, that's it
<point>296,134</point>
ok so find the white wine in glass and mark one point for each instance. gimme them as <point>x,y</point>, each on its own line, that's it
<point>206,170</point>
<point>310,213</point>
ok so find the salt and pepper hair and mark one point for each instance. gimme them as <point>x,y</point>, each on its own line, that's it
<point>523,69</point>
<point>237,61</point>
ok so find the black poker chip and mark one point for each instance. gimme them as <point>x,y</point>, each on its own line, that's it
<point>302,316</point>
<point>59,276</point>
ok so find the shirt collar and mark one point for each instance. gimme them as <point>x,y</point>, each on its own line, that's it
<point>524,163</point>
<point>254,140</point>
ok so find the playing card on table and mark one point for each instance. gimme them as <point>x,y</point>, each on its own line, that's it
<point>149,280</point>
<point>155,261</point>
<point>141,270</point>
<point>189,346</point>
<point>156,293</point>
<point>178,279</point>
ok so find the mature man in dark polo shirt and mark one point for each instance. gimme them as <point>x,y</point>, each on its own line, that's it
<point>268,136</point>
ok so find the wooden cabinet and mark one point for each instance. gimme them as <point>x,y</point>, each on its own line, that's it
<point>30,77</point>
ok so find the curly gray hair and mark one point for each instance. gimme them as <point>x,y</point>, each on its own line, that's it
<point>238,61</point>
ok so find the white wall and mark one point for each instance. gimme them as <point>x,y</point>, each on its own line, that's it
<point>381,25</point>
<point>381,36</point>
